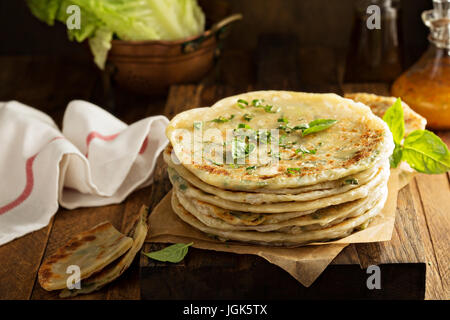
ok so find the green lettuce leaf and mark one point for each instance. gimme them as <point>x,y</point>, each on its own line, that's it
<point>132,20</point>
<point>44,10</point>
<point>88,22</point>
<point>100,45</point>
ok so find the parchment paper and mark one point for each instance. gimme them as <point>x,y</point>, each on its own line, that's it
<point>304,263</point>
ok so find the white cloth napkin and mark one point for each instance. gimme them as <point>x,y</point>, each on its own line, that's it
<point>96,160</point>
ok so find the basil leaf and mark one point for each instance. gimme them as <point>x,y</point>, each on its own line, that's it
<point>396,156</point>
<point>318,125</point>
<point>174,253</point>
<point>425,152</point>
<point>395,121</point>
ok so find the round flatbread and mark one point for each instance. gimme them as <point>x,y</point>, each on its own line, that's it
<point>338,231</point>
<point>361,191</point>
<point>222,219</point>
<point>346,184</point>
<point>379,105</point>
<point>171,159</point>
<point>323,152</point>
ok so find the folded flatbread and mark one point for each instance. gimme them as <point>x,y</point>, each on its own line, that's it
<point>91,251</point>
<point>118,267</point>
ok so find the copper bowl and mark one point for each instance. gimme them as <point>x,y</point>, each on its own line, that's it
<point>150,67</point>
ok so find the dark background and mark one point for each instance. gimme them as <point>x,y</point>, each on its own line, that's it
<point>316,23</point>
<point>40,67</point>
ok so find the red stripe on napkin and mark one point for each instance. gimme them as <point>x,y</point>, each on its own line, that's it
<point>28,185</point>
<point>95,134</point>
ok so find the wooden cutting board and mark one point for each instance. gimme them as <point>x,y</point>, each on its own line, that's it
<point>216,275</point>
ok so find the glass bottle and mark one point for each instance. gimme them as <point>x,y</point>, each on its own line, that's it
<point>425,87</point>
<point>374,54</point>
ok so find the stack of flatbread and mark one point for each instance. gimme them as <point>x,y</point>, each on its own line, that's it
<point>279,168</point>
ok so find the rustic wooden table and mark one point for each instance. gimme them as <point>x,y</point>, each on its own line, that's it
<point>49,83</point>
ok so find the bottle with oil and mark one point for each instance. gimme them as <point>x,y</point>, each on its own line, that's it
<point>425,87</point>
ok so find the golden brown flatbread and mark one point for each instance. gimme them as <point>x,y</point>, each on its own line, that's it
<point>91,251</point>
<point>379,105</point>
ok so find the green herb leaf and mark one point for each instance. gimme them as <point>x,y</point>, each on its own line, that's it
<point>243,126</point>
<point>222,119</point>
<point>269,109</point>
<point>396,156</point>
<point>250,148</point>
<point>183,187</point>
<point>242,103</point>
<point>395,121</point>
<point>305,151</point>
<point>214,162</point>
<point>286,128</point>
<point>301,127</point>
<point>318,125</point>
<point>425,152</point>
<point>238,148</point>
<point>293,170</point>
<point>174,253</point>
<point>352,181</point>
<point>197,125</point>
<point>257,102</point>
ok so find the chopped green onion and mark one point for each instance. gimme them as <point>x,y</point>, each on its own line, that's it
<point>352,181</point>
<point>223,119</point>
<point>305,151</point>
<point>243,126</point>
<point>293,170</point>
<point>242,103</point>
<point>197,125</point>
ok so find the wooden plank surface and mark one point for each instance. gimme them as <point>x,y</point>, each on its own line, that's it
<point>35,82</point>
<point>49,83</point>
